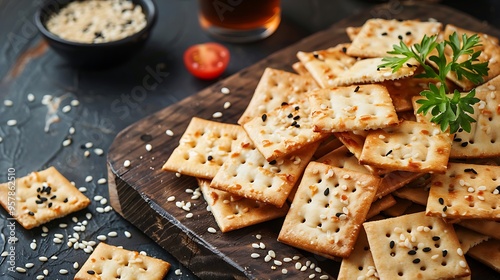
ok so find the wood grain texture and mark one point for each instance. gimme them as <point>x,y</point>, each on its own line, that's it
<point>139,193</point>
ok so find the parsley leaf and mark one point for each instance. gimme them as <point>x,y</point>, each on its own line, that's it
<point>448,110</point>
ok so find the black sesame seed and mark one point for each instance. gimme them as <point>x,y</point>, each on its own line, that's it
<point>344,49</point>
<point>38,201</point>
<point>50,204</point>
<point>400,37</point>
<point>264,117</point>
<point>464,144</point>
<point>144,137</point>
<point>65,200</point>
<point>427,249</point>
<point>38,190</point>
<point>284,103</point>
<point>408,33</point>
<point>436,238</point>
<point>296,117</point>
<point>470,170</point>
<point>384,34</point>
<point>297,108</point>
<point>326,192</point>
<point>297,125</point>
<point>294,123</point>
<point>391,244</point>
<point>378,68</point>
<point>445,252</point>
<point>457,139</point>
<point>460,129</point>
<point>43,199</point>
<point>339,214</point>
<point>412,252</point>
<point>445,208</point>
<point>91,272</point>
<point>416,260</point>
<point>441,201</point>
<point>409,65</point>
<point>388,153</point>
<point>31,213</point>
<point>272,162</point>
<point>53,197</point>
<point>498,188</point>
<point>316,55</point>
<point>290,116</point>
<point>356,89</point>
<point>82,146</point>
<point>209,158</point>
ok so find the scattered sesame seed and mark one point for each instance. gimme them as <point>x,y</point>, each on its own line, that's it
<point>98,151</point>
<point>227,104</point>
<point>225,90</point>
<point>88,179</point>
<point>149,147</point>
<point>112,234</point>
<point>169,132</point>
<point>63,271</point>
<point>20,269</point>
<point>99,209</point>
<point>101,237</point>
<point>4,254</point>
<point>267,258</point>
<point>143,253</point>
<point>284,271</point>
<point>30,97</point>
<point>460,252</point>
<point>126,163</point>
<point>217,115</point>
<point>312,276</point>
<point>8,103</point>
<point>255,255</point>
<point>462,264</point>
<point>43,259</point>
<point>89,145</point>
<point>103,201</point>
<point>75,265</point>
<point>277,262</point>
<point>82,189</point>
<point>45,229</point>
<point>75,102</point>
<point>211,230</point>
<point>272,254</point>
<point>108,208</point>
<point>298,265</point>
<point>127,234</point>
<point>171,198</point>
<point>29,265</point>
<point>101,181</point>
<point>66,109</point>
<point>58,235</point>
<point>46,272</point>
<point>40,277</point>
<point>324,277</point>
<point>178,272</point>
<point>258,236</point>
<point>98,197</point>
<point>33,246</point>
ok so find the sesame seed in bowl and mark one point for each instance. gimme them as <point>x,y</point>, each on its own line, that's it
<point>96,33</point>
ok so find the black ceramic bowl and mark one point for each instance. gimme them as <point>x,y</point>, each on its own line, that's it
<point>95,55</point>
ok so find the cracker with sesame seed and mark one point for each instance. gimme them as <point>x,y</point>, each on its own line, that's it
<point>409,146</point>
<point>111,262</point>
<point>325,65</point>
<point>366,71</point>
<point>483,140</point>
<point>42,197</point>
<point>276,87</point>
<point>283,130</point>
<point>377,36</point>
<point>465,191</point>
<point>490,52</point>
<point>302,70</point>
<point>415,246</point>
<point>203,148</point>
<point>352,32</point>
<point>352,108</point>
<point>359,265</point>
<point>233,212</point>
<point>248,174</point>
<point>328,209</point>
<point>488,252</point>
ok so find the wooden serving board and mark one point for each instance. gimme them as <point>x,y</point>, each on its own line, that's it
<point>139,193</point>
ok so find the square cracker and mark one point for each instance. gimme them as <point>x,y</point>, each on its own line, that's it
<point>352,108</point>
<point>415,246</point>
<point>489,228</point>
<point>325,65</point>
<point>483,140</point>
<point>110,262</point>
<point>276,87</point>
<point>367,70</point>
<point>488,253</point>
<point>465,191</point>
<point>42,197</point>
<point>377,36</point>
<point>233,212</point>
<point>248,174</point>
<point>283,130</point>
<point>469,238</point>
<point>328,209</point>
<point>360,264</point>
<point>490,52</point>
<point>410,146</point>
<point>203,148</point>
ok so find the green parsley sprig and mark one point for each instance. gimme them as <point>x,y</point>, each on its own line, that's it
<point>447,110</point>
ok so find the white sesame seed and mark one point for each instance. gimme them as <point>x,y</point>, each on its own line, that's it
<point>88,250</point>
<point>189,215</point>
<point>30,97</point>
<point>217,115</point>
<point>63,271</point>
<point>20,269</point>
<point>255,246</point>
<point>54,257</point>
<point>46,272</point>
<point>287,259</point>
<point>101,237</point>
<point>462,264</point>
<point>102,181</point>
<point>58,235</point>
<point>86,154</point>
<point>29,265</point>
<point>99,209</point>
<point>460,252</point>
<point>481,188</point>
<point>75,102</point>
<point>8,103</point>
<point>143,253</point>
<point>262,245</point>
<point>69,244</point>
<point>33,246</point>
<point>324,277</point>
<point>40,277</point>
<point>66,142</point>
<point>211,230</point>
<point>4,254</point>
<point>171,198</point>
<point>82,189</point>
<point>272,254</point>
<point>295,258</point>
<point>277,262</point>
<point>312,276</point>
<point>284,271</point>
<point>89,179</point>
<point>169,132</point>
<point>225,90</point>
<point>108,208</point>
<point>127,234</point>
<point>89,145</point>
<point>112,234</point>
<point>45,229</point>
<point>318,269</point>
<point>75,265</point>
<point>298,265</point>
<point>43,259</point>
<point>255,255</point>
<point>46,99</point>
<point>178,272</point>
<point>149,147</point>
<point>98,197</point>
<point>227,104</point>
<point>126,163</point>
<point>480,197</point>
<point>103,201</point>
<point>62,225</point>
<point>98,151</point>
<point>267,258</point>
<point>66,109</point>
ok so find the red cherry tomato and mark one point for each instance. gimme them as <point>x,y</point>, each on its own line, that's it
<point>206,61</point>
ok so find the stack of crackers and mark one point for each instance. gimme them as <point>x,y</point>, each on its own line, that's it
<point>332,147</point>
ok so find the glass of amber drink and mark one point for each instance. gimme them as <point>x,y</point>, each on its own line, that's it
<point>239,20</point>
